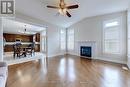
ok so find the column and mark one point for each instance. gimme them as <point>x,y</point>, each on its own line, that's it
<point>1,40</point>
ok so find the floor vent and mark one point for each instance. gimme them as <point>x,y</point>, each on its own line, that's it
<point>124,68</point>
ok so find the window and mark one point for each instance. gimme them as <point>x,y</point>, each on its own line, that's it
<point>43,38</point>
<point>70,41</point>
<point>63,39</point>
<point>111,36</point>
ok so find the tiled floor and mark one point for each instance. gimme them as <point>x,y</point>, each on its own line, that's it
<point>8,57</point>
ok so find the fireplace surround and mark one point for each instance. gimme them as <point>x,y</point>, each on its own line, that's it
<point>91,47</point>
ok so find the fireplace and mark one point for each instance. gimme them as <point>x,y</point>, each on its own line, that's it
<point>86,51</point>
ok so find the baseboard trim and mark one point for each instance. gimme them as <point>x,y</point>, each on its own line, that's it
<point>55,55</point>
<point>109,60</point>
<point>97,58</point>
<point>105,59</point>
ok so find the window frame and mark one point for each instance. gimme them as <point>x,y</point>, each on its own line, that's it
<point>43,40</point>
<point>103,39</point>
<point>61,41</point>
<point>68,40</point>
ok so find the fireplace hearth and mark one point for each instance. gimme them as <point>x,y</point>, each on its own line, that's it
<point>86,51</point>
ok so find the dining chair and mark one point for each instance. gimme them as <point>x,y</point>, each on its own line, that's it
<point>31,49</point>
<point>15,50</point>
<point>18,51</point>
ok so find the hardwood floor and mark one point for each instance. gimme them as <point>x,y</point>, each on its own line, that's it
<point>68,71</point>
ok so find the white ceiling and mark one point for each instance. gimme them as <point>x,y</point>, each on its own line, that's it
<point>87,8</point>
<point>15,27</point>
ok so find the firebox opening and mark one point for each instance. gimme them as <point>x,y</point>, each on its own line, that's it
<point>86,51</point>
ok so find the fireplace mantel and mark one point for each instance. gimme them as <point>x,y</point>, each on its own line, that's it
<point>87,41</point>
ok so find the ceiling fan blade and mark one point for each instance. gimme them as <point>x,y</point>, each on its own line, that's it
<point>68,14</point>
<point>48,6</point>
<point>72,6</point>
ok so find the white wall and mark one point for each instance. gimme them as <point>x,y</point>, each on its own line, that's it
<point>53,38</point>
<point>52,31</point>
<point>1,40</point>
<point>91,29</point>
<point>128,24</point>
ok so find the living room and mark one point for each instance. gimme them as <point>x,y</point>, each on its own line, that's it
<point>73,44</point>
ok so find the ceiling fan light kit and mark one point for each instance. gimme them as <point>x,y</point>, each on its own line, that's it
<point>62,11</point>
<point>63,8</point>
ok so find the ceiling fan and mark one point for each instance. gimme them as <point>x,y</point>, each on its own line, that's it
<point>63,8</point>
